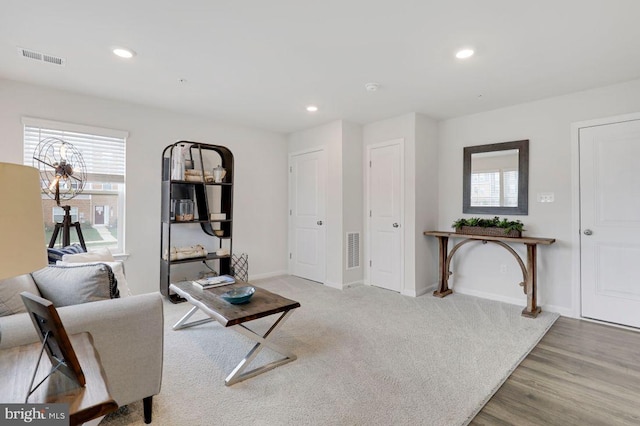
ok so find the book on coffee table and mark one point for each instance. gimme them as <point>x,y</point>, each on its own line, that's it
<point>217,281</point>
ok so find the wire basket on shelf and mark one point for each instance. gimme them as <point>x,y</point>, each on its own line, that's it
<point>240,267</point>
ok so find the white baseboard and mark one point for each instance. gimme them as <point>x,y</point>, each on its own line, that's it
<point>421,291</point>
<point>267,275</point>
<point>429,290</point>
<point>339,286</point>
<point>565,312</point>
<point>333,285</point>
<point>490,296</point>
<point>352,284</point>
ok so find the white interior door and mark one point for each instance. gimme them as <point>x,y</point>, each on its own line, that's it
<point>385,215</point>
<point>610,222</point>
<point>308,175</point>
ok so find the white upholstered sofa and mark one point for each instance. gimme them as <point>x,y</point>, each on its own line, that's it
<point>127,332</point>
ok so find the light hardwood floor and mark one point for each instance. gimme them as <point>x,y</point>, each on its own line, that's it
<point>581,373</point>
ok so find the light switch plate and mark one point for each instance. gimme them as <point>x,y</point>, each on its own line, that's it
<point>545,197</point>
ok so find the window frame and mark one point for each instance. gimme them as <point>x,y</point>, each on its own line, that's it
<point>94,131</point>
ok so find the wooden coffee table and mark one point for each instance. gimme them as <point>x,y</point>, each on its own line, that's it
<point>262,304</point>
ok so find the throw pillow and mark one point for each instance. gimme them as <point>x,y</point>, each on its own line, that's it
<point>117,267</point>
<point>56,254</point>
<point>72,285</point>
<point>10,289</point>
<point>97,255</point>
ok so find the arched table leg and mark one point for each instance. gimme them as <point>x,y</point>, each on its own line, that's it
<point>532,310</point>
<point>443,287</point>
<point>528,272</point>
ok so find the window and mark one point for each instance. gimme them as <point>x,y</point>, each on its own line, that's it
<point>100,206</point>
<point>510,184</point>
<point>495,188</point>
<point>58,214</point>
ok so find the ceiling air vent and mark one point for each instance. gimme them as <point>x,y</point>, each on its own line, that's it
<point>42,57</point>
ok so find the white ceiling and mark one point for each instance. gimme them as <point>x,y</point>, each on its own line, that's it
<point>259,63</point>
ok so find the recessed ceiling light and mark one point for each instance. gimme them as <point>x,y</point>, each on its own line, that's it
<point>372,87</point>
<point>464,53</point>
<point>312,108</point>
<point>124,53</point>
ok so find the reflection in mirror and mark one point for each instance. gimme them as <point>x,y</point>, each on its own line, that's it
<point>496,178</point>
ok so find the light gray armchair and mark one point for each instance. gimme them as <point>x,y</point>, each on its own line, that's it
<point>127,332</point>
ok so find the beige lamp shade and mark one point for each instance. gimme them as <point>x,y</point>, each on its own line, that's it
<point>23,247</point>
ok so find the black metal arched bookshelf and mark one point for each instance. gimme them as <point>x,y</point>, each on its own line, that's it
<point>208,196</point>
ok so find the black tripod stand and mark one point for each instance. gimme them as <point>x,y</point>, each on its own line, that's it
<point>66,234</point>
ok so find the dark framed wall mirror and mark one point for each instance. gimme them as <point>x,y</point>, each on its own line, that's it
<point>496,178</point>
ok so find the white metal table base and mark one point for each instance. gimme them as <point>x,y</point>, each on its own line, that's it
<point>182,323</point>
<point>238,374</point>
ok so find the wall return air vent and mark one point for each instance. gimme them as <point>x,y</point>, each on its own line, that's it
<point>353,250</point>
<point>42,57</point>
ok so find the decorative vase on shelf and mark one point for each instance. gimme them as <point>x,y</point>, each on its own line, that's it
<point>219,173</point>
<point>184,211</point>
<point>179,162</point>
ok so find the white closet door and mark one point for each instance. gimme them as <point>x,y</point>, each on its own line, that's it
<point>385,215</point>
<point>610,222</point>
<point>308,191</point>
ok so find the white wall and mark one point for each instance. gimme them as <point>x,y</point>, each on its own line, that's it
<point>402,127</point>
<point>328,136</point>
<point>420,135</point>
<point>352,194</point>
<point>342,142</point>
<point>260,191</point>
<point>426,213</point>
<point>261,180</point>
<point>547,124</point>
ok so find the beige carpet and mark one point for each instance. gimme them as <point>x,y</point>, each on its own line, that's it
<point>366,356</point>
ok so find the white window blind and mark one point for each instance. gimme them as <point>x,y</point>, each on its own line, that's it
<point>494,188</point>
<point>104,155</point>
<point>510,188</point>
<point>485,188</point>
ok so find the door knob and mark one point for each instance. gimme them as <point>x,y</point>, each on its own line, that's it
<point>395,225</point>
<point>319,222</point>
<point>588,232</point>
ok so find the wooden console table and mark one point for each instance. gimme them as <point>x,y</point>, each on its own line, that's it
<point>528,272</point>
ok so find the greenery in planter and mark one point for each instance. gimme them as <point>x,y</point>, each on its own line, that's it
<point>496,222</point>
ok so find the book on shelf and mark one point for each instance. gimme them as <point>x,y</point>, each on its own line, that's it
<point>216,281</point>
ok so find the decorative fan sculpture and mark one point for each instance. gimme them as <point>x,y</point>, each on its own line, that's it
<point>63,175</point>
